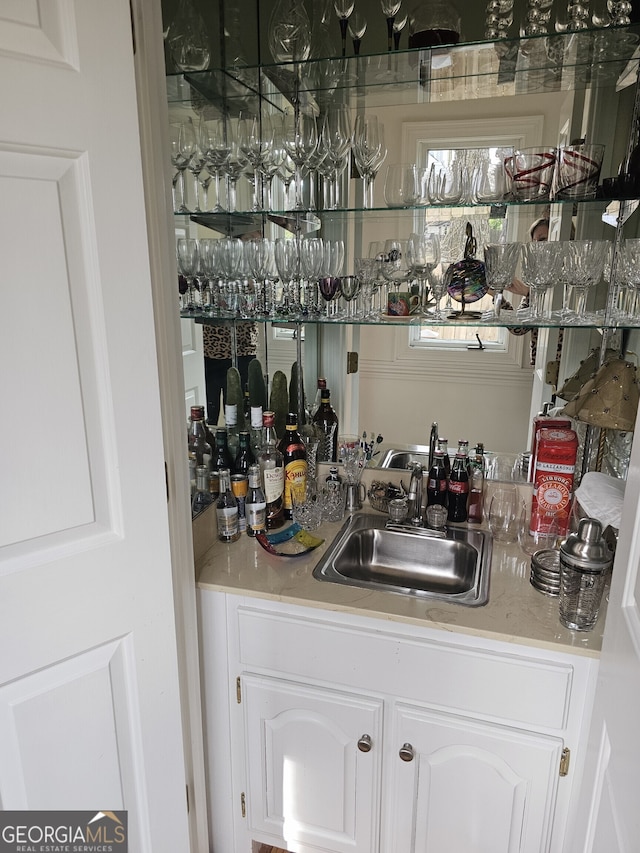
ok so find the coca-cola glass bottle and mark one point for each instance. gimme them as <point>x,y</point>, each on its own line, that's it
<point>458,488</point>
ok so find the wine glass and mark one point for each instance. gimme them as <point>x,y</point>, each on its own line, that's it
<point>333,147</point>
<point>438,285</point>
<point>390,9</point>
<point>344,9</point>
<point>500,260</point>
<point>234,167</point>
<point>541,264</point>
<point>255,140</point>
<point>357,28</point>
<point>329,283</point>
<point>583,267</point>
<point>217,149</point>
<point>183,143</point>
<point>230,260</point>
<point>423,255</point>
<point>398,25</point>
<point>187,257</point>
<point>300,140</point>
<point>369,152</point>
<point>350,287</point>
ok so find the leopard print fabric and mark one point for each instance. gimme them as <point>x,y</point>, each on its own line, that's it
<point>217,340</point>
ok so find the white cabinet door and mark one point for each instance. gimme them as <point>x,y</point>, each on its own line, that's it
<point>469,787</point>
<point>310,784</point>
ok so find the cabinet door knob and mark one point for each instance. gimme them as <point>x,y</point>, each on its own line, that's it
<point>364,743</point>
<point>406,752</point>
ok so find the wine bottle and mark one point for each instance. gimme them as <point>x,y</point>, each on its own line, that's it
<point>200,449</point>
<point>227,509</point>
<point>294,455</point>
<point>222,457</point>
<point>327,421</point>
<point>256,504</point>
<point>202,497</point>
<point>244,457</point>
<point>272,469</point>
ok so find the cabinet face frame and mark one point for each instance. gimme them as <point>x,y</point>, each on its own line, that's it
<point>334,671</point>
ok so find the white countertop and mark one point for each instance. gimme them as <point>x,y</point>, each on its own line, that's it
<point>516,612</point>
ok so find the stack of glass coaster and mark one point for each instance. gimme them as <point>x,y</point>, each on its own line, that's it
<point>545,571</point>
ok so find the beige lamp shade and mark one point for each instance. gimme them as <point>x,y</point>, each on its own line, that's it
<point>587,370</point>
<point>609,399</point>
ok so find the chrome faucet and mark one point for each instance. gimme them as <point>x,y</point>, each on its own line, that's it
<point>415,495</point>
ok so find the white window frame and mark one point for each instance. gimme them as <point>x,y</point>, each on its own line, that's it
<point>417,139</point>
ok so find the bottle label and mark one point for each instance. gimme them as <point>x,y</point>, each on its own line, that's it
<point>256,417</point>
<point>459,488</point>
<point>437,485</point>
<point>231,414</point>
<point>295,480</point>
<point>256,516</point>
<point>273,483</point>
<point>227,518</point>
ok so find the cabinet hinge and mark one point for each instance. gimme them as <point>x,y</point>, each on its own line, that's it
<point>238,691</point>
<point>243,804</point>
<point>565,758</point>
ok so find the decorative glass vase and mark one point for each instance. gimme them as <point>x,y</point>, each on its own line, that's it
<point>289,32</point>
<point>187,39</point>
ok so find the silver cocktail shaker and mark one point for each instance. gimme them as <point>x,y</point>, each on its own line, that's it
<point>585,560</point>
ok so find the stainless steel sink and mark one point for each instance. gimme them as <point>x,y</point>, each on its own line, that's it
<point>451,567</point>
<point>395,458</point>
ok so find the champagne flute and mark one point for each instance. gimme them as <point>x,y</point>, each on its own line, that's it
<point>344,9</point>
<point>311,260</point>
<point>259,255</point>
<point>357,28</point>
<point>334,144</point>
<point>187,257</point>
<point>390,9</point>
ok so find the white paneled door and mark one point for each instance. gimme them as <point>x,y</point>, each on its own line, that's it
<point>89,706</point>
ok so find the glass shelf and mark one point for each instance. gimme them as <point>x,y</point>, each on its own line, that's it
<point>311,220</point>
<point>538,64</point>
<point>409,322</point>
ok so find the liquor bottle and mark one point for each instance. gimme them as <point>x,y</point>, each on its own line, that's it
<point>231,423</point>
<point>475,507</point>
<point>202,497</point>
<point>247,403</point>
<point>256,503</point>
<point>244,457</point>
<point>222,458</point>
<point>437,480</point>
<point>256,429</point>
<point>272,469</point>
<point>227,509</point>
<point>443,444</point>
<point>327,421</point>
<point>458,489</point>
<point>295,463</point>
<point>200,448</point>
<point>333,476</point>
<point>322,384</point>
